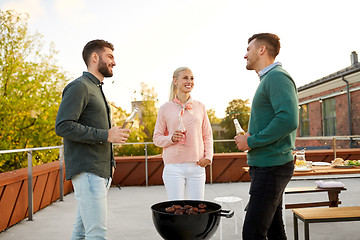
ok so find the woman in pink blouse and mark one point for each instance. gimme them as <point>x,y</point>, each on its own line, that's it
<point>186,152</point>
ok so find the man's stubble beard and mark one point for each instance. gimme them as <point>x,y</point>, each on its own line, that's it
<point>103,69</point>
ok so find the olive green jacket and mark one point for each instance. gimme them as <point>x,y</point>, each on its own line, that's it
<point>83,120</point>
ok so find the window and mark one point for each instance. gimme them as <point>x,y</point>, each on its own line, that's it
<point>304,121</point>
<point>329,117</point>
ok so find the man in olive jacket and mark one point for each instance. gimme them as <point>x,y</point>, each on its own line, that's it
<point>84,122</point>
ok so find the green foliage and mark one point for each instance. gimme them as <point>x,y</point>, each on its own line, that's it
<point>144,132</point>
<point>217,130</point>
<point>212,117</point>
<point>137,135</point>
<point>239,109</point>
<point>30,93</point>
<point>149,111</point>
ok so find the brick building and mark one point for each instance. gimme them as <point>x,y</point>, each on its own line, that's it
<point>330,107</point>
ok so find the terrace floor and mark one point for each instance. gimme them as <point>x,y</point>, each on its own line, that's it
<point>130,217</point>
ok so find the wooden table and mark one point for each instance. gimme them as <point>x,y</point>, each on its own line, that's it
<point>316,215</point>
<point>333,193</point>
<point>322,170</point>
<point>327,170</point>
<point>333,196</point>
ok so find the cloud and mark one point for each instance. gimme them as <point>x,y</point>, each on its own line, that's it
<point>73,11</point>
<point>33,7</point>
<point>66,7</point>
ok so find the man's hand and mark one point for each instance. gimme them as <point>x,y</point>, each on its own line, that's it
<point>118,135</point>
<point>241,142</point>
<point>203,162</point>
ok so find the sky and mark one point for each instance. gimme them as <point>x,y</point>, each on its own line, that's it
<point>154,37</point>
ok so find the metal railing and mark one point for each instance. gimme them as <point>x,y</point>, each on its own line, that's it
<point>345,137</point>
<point>333,139</point>
<point>146,156</point>
<point>61,161</point>
<point>30,173</point>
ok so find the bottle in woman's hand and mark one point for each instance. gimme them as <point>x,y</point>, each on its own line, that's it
<point>182,129</point>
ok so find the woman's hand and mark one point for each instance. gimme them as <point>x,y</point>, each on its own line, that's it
<point>177,136</point>
<point>203,162</point>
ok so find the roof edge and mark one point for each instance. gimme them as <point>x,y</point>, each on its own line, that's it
<point>346,71</point>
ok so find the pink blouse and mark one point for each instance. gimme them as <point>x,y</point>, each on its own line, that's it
<point>199,138</point>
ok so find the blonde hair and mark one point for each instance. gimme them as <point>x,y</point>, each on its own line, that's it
<point>173,88</point>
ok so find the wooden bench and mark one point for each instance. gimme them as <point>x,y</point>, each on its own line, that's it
<point>316,215</point>
<point>333,195</point>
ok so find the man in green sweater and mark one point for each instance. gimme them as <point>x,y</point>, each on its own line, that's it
<point>270,139</point>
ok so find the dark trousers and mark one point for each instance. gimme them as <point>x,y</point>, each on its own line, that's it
<point>263,218</point>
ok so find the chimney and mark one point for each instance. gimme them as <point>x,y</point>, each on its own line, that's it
<point>354,58</point>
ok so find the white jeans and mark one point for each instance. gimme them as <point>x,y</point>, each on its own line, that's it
<point>91,215</point>
<point>181,177</point>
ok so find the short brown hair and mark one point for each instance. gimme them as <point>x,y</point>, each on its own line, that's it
<point>271,41</point>
<point>97,46</point>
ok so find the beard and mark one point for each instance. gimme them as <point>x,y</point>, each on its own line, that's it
<point>249,64</point>
<point>249,67</point>
<point>104,69</point>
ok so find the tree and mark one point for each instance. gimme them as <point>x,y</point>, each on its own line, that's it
<point>216,128</point>
<point>212,117</point>
<point>149,110</point>
<point>144,133</point>
<point>239,109</point>
<point>149,116</point>
<point>30,92</point>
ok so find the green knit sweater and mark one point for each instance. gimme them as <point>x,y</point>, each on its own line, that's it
<point>274,119</point>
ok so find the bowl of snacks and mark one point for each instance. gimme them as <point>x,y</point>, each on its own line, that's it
<point>341,163</point>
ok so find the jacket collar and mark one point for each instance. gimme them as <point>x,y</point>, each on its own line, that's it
<point>94,79</point>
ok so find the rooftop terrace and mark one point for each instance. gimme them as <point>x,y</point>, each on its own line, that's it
<point>130,214</point>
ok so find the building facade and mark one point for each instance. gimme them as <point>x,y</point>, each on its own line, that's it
<point>330,107</point>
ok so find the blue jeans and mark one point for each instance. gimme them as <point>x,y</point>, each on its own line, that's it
<point>263,218</point>
<point>91,216</point>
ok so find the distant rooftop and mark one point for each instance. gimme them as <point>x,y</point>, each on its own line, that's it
<point>355,67</point>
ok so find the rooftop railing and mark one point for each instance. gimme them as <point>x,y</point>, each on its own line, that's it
<point>30,172</point>
<point>61,161</point>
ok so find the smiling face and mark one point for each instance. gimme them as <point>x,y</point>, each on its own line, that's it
<point>106,62</point>
<point>252,55</point>
<point>184,81</point>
